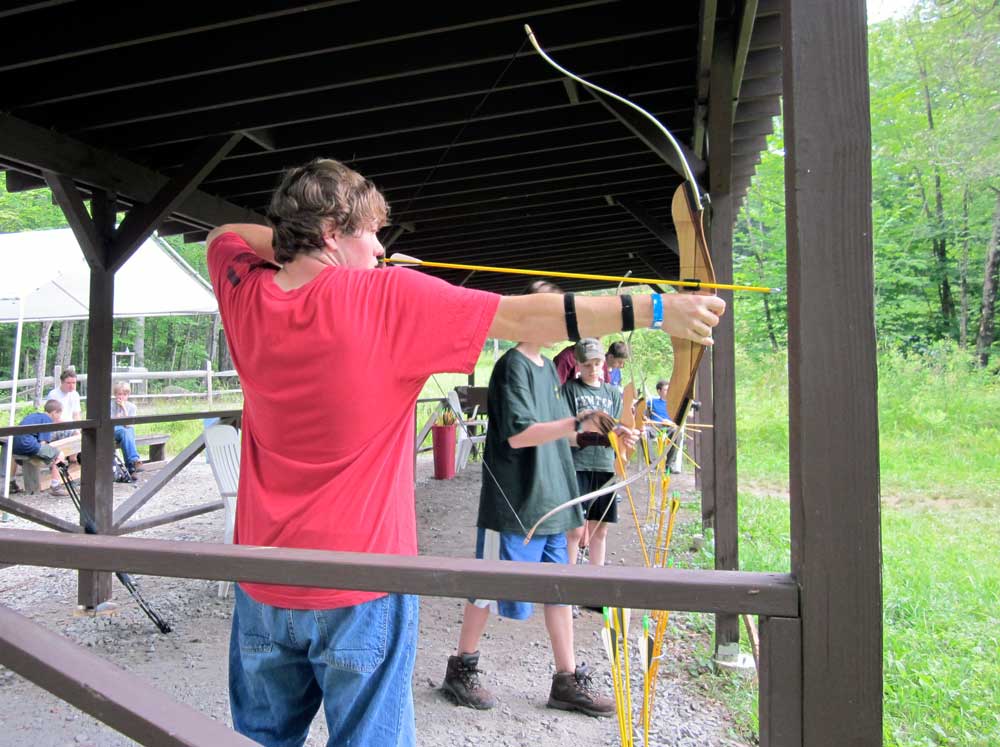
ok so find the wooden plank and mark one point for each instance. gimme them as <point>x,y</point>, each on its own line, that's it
<point>169,518</point>
<point>37,516</point>
<point>643,129</point>
<point>706,449</point>
<point>142,219</point>
<point>665,236</point>
<point>122,700</point>
<point>744,32</point>
<point>47,150</point>
<point>706,42</point>
<point>638,587</point>
<point>150,488</point>
<point>68,197</point>
<point>779,703</point>
<point>18,430</point>
<point>833,407</point>
<point>720,174</point>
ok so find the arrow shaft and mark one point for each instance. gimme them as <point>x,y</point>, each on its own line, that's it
<point>580,275</point>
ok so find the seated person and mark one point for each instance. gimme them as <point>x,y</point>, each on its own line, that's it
<point>37,444</point>
<point>68,397</point>
<point>125,434</point>
<point>658,406</point>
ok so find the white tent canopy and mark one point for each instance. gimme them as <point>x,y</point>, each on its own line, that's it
<point>47,268</point>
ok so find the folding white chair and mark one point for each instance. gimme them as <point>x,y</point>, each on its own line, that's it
<point>467,431</point>
<point>223,445</point>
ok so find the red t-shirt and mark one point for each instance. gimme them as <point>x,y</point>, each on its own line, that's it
<point>330,374</point>
<point>566,365</point>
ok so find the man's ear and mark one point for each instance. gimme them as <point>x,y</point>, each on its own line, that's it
<point>330,242</point>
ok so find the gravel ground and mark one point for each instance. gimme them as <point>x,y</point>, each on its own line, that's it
<point>190,662</point>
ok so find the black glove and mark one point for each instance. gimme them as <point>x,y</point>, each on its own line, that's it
<point>590,438</point>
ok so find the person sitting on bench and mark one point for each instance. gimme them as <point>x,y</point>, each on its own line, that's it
<point>37,444</point>
<point>125,434</point>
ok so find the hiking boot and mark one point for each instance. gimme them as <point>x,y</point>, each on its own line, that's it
<point>14,487</point>
<point>575,691</point>
<point>58,491</point>
<point>461,682</point>
<point>136,466</point>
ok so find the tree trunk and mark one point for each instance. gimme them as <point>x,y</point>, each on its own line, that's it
<point>986,318</point>
<point>139,344</point>
<point>43,354</point>
<point>225,360</point>
<point>963,275</point>
<point>213,339</point>
<point>768,319</point>
<point>64,353</point>
<point>939,243</point>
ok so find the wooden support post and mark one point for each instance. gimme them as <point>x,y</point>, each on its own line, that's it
<point>703,394</point>
<point>720,141</point>
<point>779,706</point>
<point>208,380</point>
<point>98,444</point>
<point>833,408</point>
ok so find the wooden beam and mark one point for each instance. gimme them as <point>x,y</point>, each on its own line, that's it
<point>68,197</point>
<point>46,150</point>
<point>832,371</point>
<point>747,111</point>
<point>37,516</point>
<point>754,128</point>
<point>750,146</point>
<point>761,88</point>
<point>139,498</point>
<point>169,518</point>
<point>643,129</point>
<point>638,587</point>
<point>665,236</point>
<point>744,32</point>
<point>763,64</point>
<point>720,139</point>
<point>779,704</point>
<point>122,700</point>
<point>18,181</point>
<point>143,219</point>
<point>706,42</point>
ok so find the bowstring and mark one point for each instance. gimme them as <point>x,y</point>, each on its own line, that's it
<point>465,429</point>
<point>468,120</point>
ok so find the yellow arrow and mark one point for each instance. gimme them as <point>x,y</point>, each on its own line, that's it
<point>402,259</point>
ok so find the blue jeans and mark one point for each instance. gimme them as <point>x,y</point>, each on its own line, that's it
<point>125,437</point>
<point>357,661</point>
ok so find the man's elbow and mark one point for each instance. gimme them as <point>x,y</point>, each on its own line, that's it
<point>217,232</point>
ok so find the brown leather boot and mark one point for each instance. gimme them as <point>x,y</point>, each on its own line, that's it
<point>575,691</point>
<point>461,682</point>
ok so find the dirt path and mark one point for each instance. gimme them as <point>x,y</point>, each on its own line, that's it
<point>190,663</point>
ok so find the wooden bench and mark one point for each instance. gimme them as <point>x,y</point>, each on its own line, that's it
<point>32,469</point>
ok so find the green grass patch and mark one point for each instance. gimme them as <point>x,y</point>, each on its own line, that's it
<point>941,612</point>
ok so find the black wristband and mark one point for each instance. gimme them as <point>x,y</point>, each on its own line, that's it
<point>569,307</point>
<point>628,313</point>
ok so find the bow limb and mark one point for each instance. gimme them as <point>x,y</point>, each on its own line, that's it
<point>610,488</point>
<point>695,264</point>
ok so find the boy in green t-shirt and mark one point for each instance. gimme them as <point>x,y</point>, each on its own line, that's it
<point>528,470</point>
<point>595,465</point>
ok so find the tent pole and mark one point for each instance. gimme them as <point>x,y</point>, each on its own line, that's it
<point>9,453</point>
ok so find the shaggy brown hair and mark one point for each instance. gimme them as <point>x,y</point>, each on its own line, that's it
<point>318,199</point>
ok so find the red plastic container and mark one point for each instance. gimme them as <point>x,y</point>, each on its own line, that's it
<point>443,439</point>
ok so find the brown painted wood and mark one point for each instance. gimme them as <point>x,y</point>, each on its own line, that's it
<point>643,129</point>
<point>68,197</point>
<point>666,236</point>
<point>37,516</point>
<point>779,705</point>
<point>122,700</point>
<point>150,488</point>
<point>169,518</point>
<point>48,150</point>
<point>706,450</point>
<point>174,417</point>
<point>833,408</point>
<point>17,430</point>
<point>720,139</point>
<point>143,219</point>
<point>637,587</point>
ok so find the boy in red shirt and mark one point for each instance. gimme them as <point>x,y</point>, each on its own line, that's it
<point>327,308</point>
